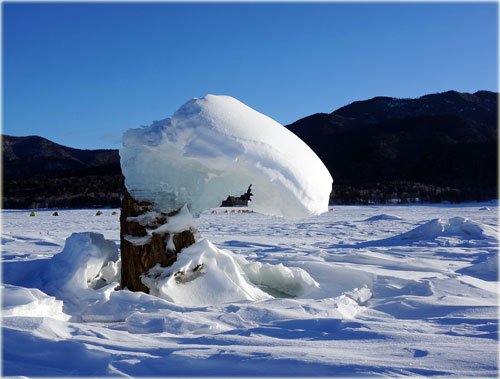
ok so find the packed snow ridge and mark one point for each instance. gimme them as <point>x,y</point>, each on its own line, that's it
<point>86,274</point>
<point>216,146</point>
<point>455,226</point>
<point>204,275</point>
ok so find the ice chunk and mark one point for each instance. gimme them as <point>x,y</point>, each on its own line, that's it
<point>278,279</point>
<point>216,146</point>
<point>360,295</point>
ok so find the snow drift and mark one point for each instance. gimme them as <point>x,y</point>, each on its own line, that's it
<point>454,227</point>
<point>84,277</point>
<point>216,146</point>
<point>486,268</point>
<point>441,230</point>
<point>205,275</point>
<point>20,301</point>
<point>383,217</point>
<point>87,262</point>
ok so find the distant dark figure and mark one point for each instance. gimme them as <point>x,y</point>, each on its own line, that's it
<point>247,195</point>
<point>240,201</point>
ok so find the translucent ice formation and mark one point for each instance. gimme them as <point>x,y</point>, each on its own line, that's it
<point>216,146</point>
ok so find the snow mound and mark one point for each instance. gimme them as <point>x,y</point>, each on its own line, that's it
<point>204,275</point>
<point>453,227</point>
<point>87,261</point>
<point>484,268</point>
<point>383,217</point>
<point>216,146</point>
<point>20,301</point>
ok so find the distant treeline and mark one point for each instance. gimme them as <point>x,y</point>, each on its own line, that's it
<point>66,192</point>
<point>408,192</point>
<point>107,192</point>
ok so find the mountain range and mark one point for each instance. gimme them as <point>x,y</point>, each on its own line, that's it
<point>434,148</point>
<point>439,147</point>
<point>38,173</point>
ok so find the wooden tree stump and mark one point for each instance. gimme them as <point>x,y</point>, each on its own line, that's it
<point>140,250</point>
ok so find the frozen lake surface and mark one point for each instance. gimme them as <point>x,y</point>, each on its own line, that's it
<point>403,290</point>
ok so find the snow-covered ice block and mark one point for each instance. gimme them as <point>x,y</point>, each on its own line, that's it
<point>202,275</point>
<point>87,260</point>
<point>216,146</point>
<point>205,275</point>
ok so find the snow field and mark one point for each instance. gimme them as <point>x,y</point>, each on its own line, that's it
<point>413,294</point>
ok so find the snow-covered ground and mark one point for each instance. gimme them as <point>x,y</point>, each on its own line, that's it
<point>403,290</point>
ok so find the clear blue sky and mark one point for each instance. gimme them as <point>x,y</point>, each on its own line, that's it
<point>81,74</point>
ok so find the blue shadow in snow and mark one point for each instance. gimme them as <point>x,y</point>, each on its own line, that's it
<point>312,330</point>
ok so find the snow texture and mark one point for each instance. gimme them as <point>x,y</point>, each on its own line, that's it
<point>384,305</point>
<point>216,146</point>
<point>20,301</point>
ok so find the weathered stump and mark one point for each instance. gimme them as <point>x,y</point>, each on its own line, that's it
<point>140,250</point>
